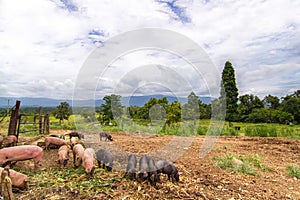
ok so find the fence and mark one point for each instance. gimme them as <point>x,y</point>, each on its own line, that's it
<point>17,120</point>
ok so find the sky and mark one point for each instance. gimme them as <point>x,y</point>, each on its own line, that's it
<point>44,45</point>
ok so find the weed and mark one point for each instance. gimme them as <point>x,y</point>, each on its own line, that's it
<point>293,171</point>
<point>250,164</point>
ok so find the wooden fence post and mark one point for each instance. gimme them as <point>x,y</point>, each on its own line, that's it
<point>40,120</point>
<point>14,119</point>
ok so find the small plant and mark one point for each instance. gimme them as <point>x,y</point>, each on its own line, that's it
<point>293,171</point>
<point>241,164</point>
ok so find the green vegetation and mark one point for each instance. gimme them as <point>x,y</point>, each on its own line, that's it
<point>62,112</point>
<point>250,164</point>
<point>293,171</point>
<point>72,180</point>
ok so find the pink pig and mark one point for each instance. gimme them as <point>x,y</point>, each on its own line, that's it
<point>20,153</point>
<point>88,161</point>
<point>63,155</point>
<point>10,141</point>
<point>19,180</point>
<point>78,151</point>
<point>55,141</point>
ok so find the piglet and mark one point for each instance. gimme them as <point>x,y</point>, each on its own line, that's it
<point>143,168</point>
<point>106,136</point>
<point>19,180</point>
<point>131,167</point>
<point>54,140</point>
<point>105,158</point>
<point>152,173</point>
<point>165,167</point>
<point>88,161</point>
<point>78,151</point>
<point>76,134</point>
<point>20,153</point>
<point>63,155</point>
<point>10,141</point>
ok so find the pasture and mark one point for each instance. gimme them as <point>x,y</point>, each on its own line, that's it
<point>201,178</point>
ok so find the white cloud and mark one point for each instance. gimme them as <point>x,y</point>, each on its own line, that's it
<point>45,43</point>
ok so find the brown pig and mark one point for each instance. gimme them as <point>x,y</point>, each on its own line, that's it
<point>78,151</point>
<point>53,140</point>
<point>20,153</point>
<point>88,161</point>
<point>63,155</point>
<point>19,180</point>
<point>10,141</point>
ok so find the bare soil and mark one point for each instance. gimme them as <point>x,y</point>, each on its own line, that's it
<point>199,177</point>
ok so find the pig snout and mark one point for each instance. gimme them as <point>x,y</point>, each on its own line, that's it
<point>105,158</point>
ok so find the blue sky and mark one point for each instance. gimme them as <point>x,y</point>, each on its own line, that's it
<point>44,43</point>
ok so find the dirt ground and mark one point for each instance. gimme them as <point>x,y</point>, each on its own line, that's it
<point>199,177</point>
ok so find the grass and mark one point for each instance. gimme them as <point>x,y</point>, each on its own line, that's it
<point>72,180</point>
<point>293,171</point>
<point>251,164</point>
<point>186,128</point>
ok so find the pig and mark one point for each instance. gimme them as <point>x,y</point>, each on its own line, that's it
<point>1,141</point>
<point>78,150</point>
<point>63,155</point>
<point>58,136</point>
<point>165,167</point>
<point>19,180</point>
<point>10,141</point>
<point>106,135</point>
<point>105,156</point>
<point>53,140</point>
<point>152,173</point>
<point>76,134</point>
<point>131,167</point>
<point>143,168</point>
<point>88,161</point>
<point>20,153</point>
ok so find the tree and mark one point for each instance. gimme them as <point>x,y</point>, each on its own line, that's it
<point>110,109</point>
<point>229,92</point>
<point>271,102</point>
<point>62,111</point>
<point>291,104</point>
<point>248,103</point>
<point>193,106</point>
<point>173,112</point>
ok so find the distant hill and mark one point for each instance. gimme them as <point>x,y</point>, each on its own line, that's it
<point>126,101</point>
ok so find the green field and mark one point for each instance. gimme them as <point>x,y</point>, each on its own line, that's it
<point>185,128</point>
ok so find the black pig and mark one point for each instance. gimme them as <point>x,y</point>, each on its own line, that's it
<point>152,173</point>
<point>105,158</point>
<point>76,134</point>
<point>131,167</point>
<point>143,168</point>
<point>165,167</point>
<point>106,135</point>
